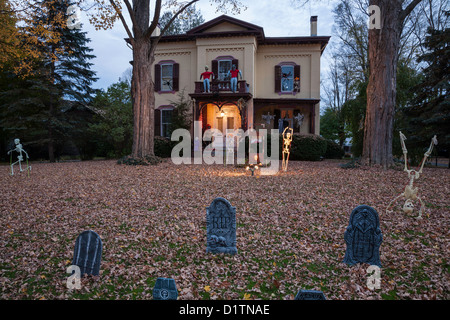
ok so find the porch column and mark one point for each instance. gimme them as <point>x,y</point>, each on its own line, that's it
<point>312,119</point>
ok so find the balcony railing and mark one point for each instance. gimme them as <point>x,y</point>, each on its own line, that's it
<point>222,86</point>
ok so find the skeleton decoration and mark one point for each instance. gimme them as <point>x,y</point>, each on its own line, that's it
<point>410,193</point>
<point>268,117</point>
<point>19,150</point>
<point>299,119</point>
<point>287,139</point>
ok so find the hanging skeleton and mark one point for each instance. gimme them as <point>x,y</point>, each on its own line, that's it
<point>287,139</point>
<point>299,119</point>
<point>268,117</point>
<point>410,193</point>
<point>19,150</point>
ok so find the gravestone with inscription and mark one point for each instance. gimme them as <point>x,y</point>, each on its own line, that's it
<point>310,295</point>
<point>165,289</point>
<point>221,227</point>
<point>363,237</point>
<point>88,253</point>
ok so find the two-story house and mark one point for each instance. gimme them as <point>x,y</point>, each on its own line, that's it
<point>280,76</point>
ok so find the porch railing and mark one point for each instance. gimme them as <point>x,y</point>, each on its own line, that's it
<point>222,86</point>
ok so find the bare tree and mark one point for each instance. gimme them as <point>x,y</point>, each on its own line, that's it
<point>140,28</point>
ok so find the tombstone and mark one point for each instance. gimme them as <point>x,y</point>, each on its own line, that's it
<point>221,227</point>
<point>310,295</point>
<point>363,237</point>
<point>88,253</point>
<point>165,289</point>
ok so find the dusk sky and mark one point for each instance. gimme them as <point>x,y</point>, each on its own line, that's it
<point>278,18</point>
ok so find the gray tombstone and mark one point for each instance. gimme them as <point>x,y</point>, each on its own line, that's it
<point>363,237</point>
<point>310,295</point>
<point>165,289</point>
<point>221,227</point>
<point>88,253</point>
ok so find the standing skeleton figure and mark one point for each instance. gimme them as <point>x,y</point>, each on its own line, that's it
<point>287,139</point>
<point>19,150</point>
<point>410,192</point>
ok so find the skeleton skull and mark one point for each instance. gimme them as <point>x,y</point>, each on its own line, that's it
<point>408,207</point>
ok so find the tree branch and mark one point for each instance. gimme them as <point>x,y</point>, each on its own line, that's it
<point>408,9</point>
<point>155,20</point>
<point>127,29</point>
<point>149,31</point>
<point>130,11</point>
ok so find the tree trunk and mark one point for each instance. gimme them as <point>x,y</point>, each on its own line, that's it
<point>51,140</point>
<point>381,89</point>
<point>143,98</point>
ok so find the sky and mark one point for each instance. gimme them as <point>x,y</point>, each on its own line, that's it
<point>277,18</point>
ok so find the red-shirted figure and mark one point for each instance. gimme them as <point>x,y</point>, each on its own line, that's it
<point>206,75</point>
<point>233,73</point>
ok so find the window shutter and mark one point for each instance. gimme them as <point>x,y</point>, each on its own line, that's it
<point>176,76</point>
<point>297,75</point>
<point>157,77</point>
<point>235,62</point>
<point>277,78</point>
<point>215,68</point>
<point>157,122</point>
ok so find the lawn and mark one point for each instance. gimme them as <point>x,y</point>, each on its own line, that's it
<point>152,222</point>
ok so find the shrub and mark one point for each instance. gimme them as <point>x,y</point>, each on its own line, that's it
<point>334,150</point>
<point>308,147</point>
<point>163,147</point>
<point>147,160</point>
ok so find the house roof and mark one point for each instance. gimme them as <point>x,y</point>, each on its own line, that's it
<point>241,28</point>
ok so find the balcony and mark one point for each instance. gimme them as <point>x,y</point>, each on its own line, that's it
<point>222,87</point>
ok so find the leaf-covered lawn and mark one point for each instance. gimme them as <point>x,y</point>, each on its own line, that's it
<point>152,221</point>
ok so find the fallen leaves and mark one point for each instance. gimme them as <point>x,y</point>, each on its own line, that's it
<point>290,230</point>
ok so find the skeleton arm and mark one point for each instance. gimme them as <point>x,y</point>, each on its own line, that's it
<point>405,151</point>
<point>428,153</point>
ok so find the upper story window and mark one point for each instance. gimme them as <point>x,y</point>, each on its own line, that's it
<point>167,76</point>
<point>221,65</point>
<point>287,78</point>
<point>224,66</point>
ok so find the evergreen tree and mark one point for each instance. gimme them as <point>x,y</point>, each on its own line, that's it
<point>37,105</point>
<point>430,113</point>
<point>189,19</point>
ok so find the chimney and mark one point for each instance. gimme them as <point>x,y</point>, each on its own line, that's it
<point>156,32</point>
<point>313,26</point>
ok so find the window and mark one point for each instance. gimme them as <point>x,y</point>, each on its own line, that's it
<point>166,121</point>
<point>221,65</point>
<point>224,67</point>
<point>287,78</point>
<point>167,76</point>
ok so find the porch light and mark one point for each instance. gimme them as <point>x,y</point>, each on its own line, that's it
<point>222,113</point>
